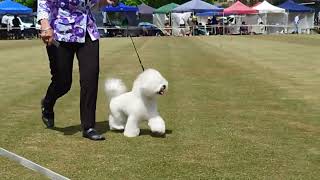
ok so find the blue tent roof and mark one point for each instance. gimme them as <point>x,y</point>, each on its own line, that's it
<point>120,8</point>
<point>209,13</point>
<point>11,7</point>
<point>196,6</point>
<point>291,6</point>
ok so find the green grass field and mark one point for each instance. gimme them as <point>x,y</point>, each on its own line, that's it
<point>238,107</point>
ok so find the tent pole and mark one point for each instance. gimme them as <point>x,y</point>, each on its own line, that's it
<point>287,16</point>
<point>223,23</point>
<point>267,23</point>
<point>193,15</point>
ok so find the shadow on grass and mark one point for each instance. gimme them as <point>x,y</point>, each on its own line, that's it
<point>144,132</point>
<point>147,132</point>
<point>101,127</point>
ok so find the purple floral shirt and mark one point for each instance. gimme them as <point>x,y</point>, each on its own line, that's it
<point>70,19</point>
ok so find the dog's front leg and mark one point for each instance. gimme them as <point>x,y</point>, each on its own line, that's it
<point>132,127</point>
<point>157,125</point>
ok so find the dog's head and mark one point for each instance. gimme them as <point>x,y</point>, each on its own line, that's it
<point>151,83</point>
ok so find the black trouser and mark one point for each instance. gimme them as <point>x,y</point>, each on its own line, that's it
<point>61,62</point>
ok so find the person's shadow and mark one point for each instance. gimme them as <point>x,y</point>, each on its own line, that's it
<point>101,127</point>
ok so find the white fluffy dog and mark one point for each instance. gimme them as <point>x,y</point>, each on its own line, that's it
<point>128,109</point>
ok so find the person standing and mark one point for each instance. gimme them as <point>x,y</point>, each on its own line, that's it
<point>16,27</point>
<point>68,28</point>
<point>5,22</point>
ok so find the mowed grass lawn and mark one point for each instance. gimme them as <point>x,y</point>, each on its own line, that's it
<point>237,108</point>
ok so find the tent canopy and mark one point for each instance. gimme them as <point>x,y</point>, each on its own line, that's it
<point>145,9</point>
<point>11,7</point>
<point>120,8</point>
<point>166,8</point>
<point>291,6</point>
<point>209,13</point>
<point>196,6</point>
<point>266,7</point>
<point>239,8</point>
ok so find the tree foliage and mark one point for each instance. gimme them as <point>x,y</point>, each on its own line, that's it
<point>29,3</point>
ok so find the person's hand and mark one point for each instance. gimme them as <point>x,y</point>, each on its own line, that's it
<point>46,32</point>
<point>107,2</point>
<point>112,2</point>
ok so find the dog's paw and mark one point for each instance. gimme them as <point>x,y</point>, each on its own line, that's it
<point>157,125</point>
<point>159,135</point>
<point>158,131</point>
<point>131,133</point>
<point>158,128</point>
<point>116,128</point>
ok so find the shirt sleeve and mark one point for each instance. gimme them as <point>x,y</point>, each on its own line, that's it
<point>44,7</point>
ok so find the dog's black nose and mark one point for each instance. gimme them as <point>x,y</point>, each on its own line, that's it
<point>164,87</point>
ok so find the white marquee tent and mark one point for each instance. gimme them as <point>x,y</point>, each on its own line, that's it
<point>266,7</point>
<point>271,16</point>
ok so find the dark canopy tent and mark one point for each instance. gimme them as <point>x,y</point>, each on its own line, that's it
<point>196,6</point>
<point>305,14</point>
<point>145,9</point>
<point>128,13</point>
<point>145,13</point>
<point>120,8</point>
<point>11,7</point>
<point>291,6</point>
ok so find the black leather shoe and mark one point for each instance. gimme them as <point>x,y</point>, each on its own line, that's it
<point>47,116</point>
<point>92,134</point>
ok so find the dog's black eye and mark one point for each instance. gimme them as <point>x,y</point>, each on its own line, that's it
<point>164,86</point>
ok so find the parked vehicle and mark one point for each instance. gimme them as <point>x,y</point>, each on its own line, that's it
<point>149,29</point>
<point>26,22</point>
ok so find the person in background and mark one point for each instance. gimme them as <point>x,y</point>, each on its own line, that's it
<point>244,28</point>
<point>214,23</point>
<point>5,22</point>
<point>68,29</point>
<point>182,25</point>
<point>16,27</point>
<point>167,29</point>
<point>208,27</point>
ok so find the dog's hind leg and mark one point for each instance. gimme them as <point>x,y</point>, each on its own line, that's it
<point>132,127</point>
<point>116,121</point>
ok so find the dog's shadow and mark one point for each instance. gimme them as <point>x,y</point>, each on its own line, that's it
<point>147,132</point>
<point>103,127</point>
<point>144,132</point>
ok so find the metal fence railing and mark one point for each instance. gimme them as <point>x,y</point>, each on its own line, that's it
<point>18,33</point>
<point>135,31</point>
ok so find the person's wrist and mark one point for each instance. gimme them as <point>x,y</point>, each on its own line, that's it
<point>47,28</point>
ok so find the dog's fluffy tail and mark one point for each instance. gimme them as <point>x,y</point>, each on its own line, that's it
<point>114,88</point>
